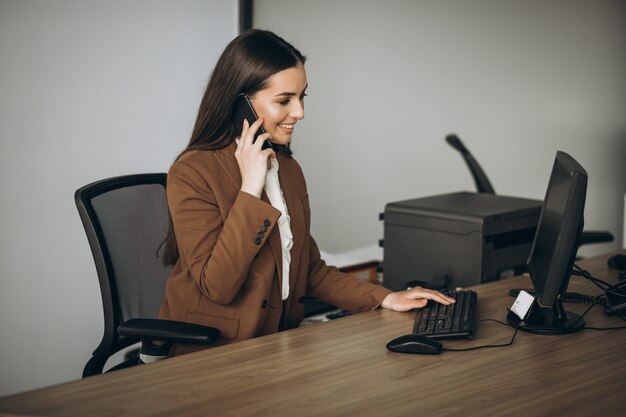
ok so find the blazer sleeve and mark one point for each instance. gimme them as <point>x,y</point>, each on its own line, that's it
<point>328,283</point>
<point>217,248</point>
<point>340,289</point>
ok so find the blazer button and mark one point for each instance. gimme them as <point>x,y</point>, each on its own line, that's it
<point>263,304</point>
<point>267,223</point>
<point>258,241</point>
<point>263,228</point>
<point>260,235</point>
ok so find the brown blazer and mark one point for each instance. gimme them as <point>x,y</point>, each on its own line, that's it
<point>227,275</point>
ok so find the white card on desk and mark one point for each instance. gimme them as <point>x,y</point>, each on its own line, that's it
<point>522,304</point>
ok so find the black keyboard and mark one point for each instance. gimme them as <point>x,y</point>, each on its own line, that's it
<point>456,320</point>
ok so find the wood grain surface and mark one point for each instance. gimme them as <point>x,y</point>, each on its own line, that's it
<point>342,368</point>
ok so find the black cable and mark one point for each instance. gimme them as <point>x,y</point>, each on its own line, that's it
<point>608,289</point>
<point>576,271</point>
<point>609,328</point>
<point>568,297</point>
<point>592,328</point>
<point>565,328</point>
<point>593,280</point>
<point>486,346</point>
<point>583,315</point>
<point>585,274</point>
<point>518,328</point>
<point>605,328</point>
<point>616,313</point>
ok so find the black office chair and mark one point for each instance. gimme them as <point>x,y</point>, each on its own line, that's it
<point>126,220</point>
<point>484,186</point>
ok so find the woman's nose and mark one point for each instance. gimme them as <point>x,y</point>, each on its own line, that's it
<point>297,111</point>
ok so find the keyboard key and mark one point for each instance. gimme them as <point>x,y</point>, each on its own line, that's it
<point>454,321</point>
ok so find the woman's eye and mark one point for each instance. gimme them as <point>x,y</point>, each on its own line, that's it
<point>284,102</point>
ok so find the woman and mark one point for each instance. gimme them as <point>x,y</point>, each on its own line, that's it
<point>240,238</point>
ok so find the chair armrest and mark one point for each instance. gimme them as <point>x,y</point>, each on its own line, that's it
<point>595,237</point>
<point>168,331</point>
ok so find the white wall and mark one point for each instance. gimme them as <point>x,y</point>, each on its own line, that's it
<point>89,90</point>
<point>516,80</point>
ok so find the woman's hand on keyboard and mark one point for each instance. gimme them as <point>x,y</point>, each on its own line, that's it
<point>416,297</point>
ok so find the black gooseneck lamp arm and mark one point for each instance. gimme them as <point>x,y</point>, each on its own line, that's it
<point>480,178</point>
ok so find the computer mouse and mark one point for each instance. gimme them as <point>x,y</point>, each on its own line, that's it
<point>618,262</point>
<point>412,343</point>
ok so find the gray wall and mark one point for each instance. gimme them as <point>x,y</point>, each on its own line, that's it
<point>516,80</point>
<point>89,90</point>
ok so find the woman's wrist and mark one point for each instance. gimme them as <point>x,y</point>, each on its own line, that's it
<point>252,189</point>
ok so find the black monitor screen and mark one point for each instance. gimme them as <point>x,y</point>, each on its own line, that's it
<point>556,241</point>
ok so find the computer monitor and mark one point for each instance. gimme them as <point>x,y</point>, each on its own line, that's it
<point>554,249</point>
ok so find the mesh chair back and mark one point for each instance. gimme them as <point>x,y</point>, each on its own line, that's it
<point>134,222</point>
<point>126,220</point>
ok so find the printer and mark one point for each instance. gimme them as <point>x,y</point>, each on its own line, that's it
<point>470,237</point>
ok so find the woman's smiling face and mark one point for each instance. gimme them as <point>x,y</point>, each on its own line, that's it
<point>281,103</point>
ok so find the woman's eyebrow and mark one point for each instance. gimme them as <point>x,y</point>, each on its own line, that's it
<point>289,93</point>
<point>286,94</point>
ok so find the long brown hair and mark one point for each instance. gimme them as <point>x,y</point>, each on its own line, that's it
<point>245,66</point>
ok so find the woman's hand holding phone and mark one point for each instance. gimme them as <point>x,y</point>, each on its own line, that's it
<point>252,159</point>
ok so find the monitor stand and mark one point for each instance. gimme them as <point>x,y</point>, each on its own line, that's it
<point>548,320</point>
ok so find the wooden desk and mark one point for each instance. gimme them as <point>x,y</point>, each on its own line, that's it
<point>342,368</point>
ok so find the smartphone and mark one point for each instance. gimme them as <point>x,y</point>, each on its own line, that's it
<point>244,110</point>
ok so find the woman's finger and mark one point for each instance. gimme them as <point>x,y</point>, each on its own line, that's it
<point>244,130</point>
<point>249,134</point>
<point>269,152</point>
<point>431,295</point>
<point>260,139</point>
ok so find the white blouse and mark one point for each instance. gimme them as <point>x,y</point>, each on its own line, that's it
<point>275,194</point>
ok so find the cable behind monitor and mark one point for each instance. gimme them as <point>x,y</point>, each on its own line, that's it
<point>569,297</point>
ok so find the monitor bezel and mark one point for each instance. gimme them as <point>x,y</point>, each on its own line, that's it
<point>547,315</point>
<point>545,288</point>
